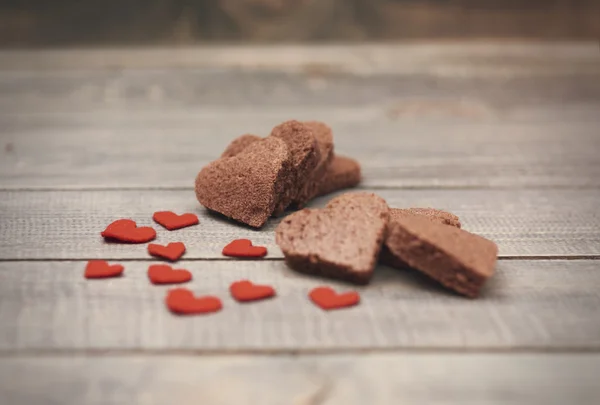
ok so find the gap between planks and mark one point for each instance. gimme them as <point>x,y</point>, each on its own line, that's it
<point>226,259</point>
<point>444,59</point>
<point>275,352</point>
<point>360,188</point>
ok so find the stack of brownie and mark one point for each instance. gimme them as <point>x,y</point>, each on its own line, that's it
<point>257,178</point>
<point>355,231</point>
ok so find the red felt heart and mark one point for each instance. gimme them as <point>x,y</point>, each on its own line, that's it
<point>165,274</point>
<point>245,290</point>
<point>101,269</point>
<point>173,251</point>
<point>172,221</point>
<point>182,301</point>
<point>327,298</point>
<point>244,248</point>
<point>126,230</point>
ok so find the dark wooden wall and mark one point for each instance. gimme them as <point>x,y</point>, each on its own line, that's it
<point>31,23</point>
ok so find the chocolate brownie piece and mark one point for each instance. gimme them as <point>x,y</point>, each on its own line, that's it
<point>342,241</point>
<point>324,137</point>
<point>459,260</point>
<point>435,215</point>
<point>239,144</point>
<point>343,172</point>
<point>432,214</point>
<point>246,187</point>
<point>305,156</point>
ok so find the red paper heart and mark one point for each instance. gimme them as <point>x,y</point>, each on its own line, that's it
<point>245,290</point>
<point>182,301</point>
<point>244,248</point>
<point>173,251</point>
<point>165,274</point>
<point>126,230</point>
<point>327,298</point>
<point>101,269</point>
<point>172,221</point>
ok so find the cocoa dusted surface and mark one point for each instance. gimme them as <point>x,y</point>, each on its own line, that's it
<point>239,144</point>
<point>302,147</point>
<point>324,136</point>
<point>431,214</point>
<point>332,172</point>
<point>246,187</point>
<point>459,260</point>
<point>341,241</point>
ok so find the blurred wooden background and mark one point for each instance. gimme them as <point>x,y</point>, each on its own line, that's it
<point>36,23</point>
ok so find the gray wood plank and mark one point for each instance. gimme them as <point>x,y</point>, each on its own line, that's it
<point>67,224</point>
<point>167,148</point>
<point>454,115</point>
<point>464,79</point>
<point>528,305</point>
<point>464,94</point>
<point>458,58</point>
<point>378,379</point>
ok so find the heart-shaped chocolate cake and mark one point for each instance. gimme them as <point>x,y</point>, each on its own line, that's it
<point>246,187</point>
<point>342,240</point>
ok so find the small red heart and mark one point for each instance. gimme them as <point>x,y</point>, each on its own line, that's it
<point>165,274</point>
<point>172,221</point>
<point>182,301</point>
<point>245,290</point>
<point>173,251</point>
<point>126,230</point>
<point>327,298</point>
<point>244,248</point>
<point>101,269</point>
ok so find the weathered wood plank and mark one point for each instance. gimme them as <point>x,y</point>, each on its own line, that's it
<point>449,58</point>
<point>469,81</point>
<point>168,149</point>
<point>465,95</point>
<point>67,224</point>
<point>434,115</point>
<point>535,305</point>
<point>378,379</point>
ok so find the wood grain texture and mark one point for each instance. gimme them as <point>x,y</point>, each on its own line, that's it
<point>378,379</point>
<point>438,58</point>
<point>469,79</point>
<point>503,76</point>
<point>505,136</point>
<point>474,115</point>
<point>168,148</point>
<point>535,305</point>
<point>67,224</point>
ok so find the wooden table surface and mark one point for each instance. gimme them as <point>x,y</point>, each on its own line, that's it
<point>505,135</point>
